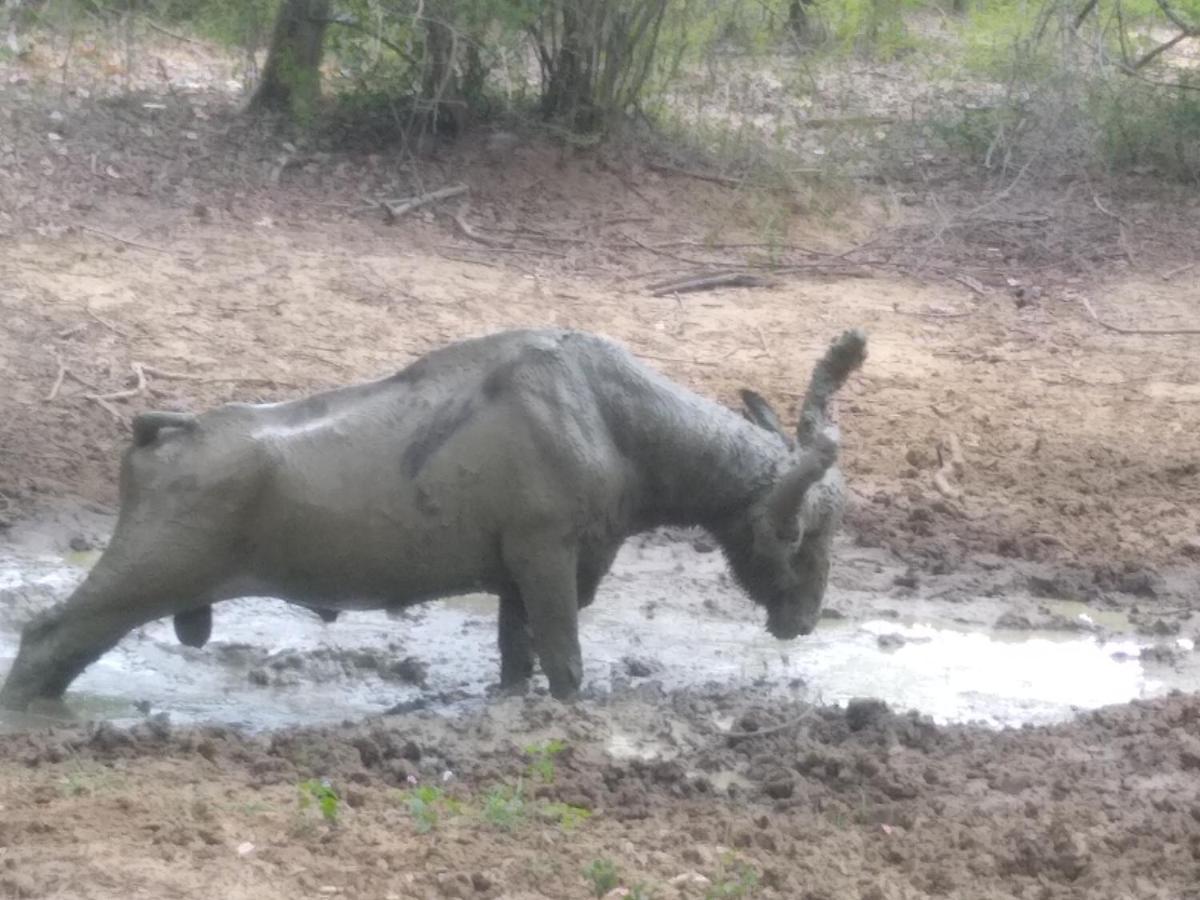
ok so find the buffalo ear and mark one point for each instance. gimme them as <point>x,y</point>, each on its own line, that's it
<point>756,409</point>
<point>146,426</point>
<point>783,503</point>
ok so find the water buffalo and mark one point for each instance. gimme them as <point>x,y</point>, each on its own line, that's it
<point>515,464</point>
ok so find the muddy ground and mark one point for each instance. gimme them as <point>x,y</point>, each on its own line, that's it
<point>153,231</point>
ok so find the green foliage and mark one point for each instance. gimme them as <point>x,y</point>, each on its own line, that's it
<point>873,28</point>
<point>1146,127</point>
<point>542,766</point>
<point>243,24</point>
<point>602,875</point>
<point>427,804</point>
<point>504,807</point>
<point>320,793</point>
<point>568,817</point>
<point>735,878</point>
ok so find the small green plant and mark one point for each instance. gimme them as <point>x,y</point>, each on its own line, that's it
<point>543,759</point>
<point>320,793</point>
<point>88,780</point>
<point>504,807</point>
<point>734,879</point>
<point>569,817</point>
<point>641,892</point>
<point>423,805</point>
<point>602,876</point>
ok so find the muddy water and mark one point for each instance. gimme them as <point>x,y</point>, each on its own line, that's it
<point>668,612</point>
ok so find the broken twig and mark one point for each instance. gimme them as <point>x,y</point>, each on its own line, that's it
<point>711,282</point>
<point>120,240</point>
<point>699,176</point>
<point>404,207</point>
<point>120,332</point>
<point>58,380</point>
<point>469,232</point>
<point>137,390</point>
<point>1178,270</point>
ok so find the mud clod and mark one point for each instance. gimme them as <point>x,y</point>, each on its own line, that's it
<point>866,713</point>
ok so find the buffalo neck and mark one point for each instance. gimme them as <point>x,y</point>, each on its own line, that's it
<point>698,463</point>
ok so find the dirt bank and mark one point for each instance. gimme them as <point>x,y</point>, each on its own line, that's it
<point>853,803</point>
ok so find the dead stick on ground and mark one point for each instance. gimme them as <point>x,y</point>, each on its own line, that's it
<point>699,176</point>
<point>107,324</point>
<point>1117,329</point>
<point>1179,270</point>
<point>212,379</point>
<point>71,332</point>
<point>762,340</point>
<point>137,390</point>
<point>107,407</point>
<point>767,732</point>
<point>58,380</point>
<point>171,34</point>
<point>712,282</point>
<point>968,281</point>
<point>1121,225</point>
<point>120,240</point>
<point>406,206</point>
<point>953,465</point>
<point>469,232</point>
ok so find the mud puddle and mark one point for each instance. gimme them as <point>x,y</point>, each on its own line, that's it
<point>668,613</point>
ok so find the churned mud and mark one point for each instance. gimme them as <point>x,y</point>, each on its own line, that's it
<point>1000,701</point>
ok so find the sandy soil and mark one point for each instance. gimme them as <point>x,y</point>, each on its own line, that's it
<point>156,232</point>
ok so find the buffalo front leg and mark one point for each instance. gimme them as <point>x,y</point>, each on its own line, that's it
<point>544,571</point>
<point>60,643</point>
<point>516,643</point>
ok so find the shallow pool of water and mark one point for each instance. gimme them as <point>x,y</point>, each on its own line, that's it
<point>674,611</point>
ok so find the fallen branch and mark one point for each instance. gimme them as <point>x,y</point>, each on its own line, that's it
<point>472,234</point>
<point>108,408</point>
<point>712,282</point>
<point>58,381</point>
<point>699,176</point>
<point>139,390</point>
<point>71,332</point>
<point>951,466</point>
<point>120,240</point>
<point>214,379</point>
<point>774,729</point>
<point>404,207</point>
<point>969,282</point>
<point>931,314</point>
<point>1117,329</point>
<point>1108,212</point>
<point>120,332</point>
<point>171,34</point>
<point>1179,270</point>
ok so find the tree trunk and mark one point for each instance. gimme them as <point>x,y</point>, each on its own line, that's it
<point>798,18</point>
<point>441,88</point>
<point>569,93</point>
<point>291,79</point>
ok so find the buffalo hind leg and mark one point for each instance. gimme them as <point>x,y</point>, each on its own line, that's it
<point>516,643</point>
<point>545,574</point>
